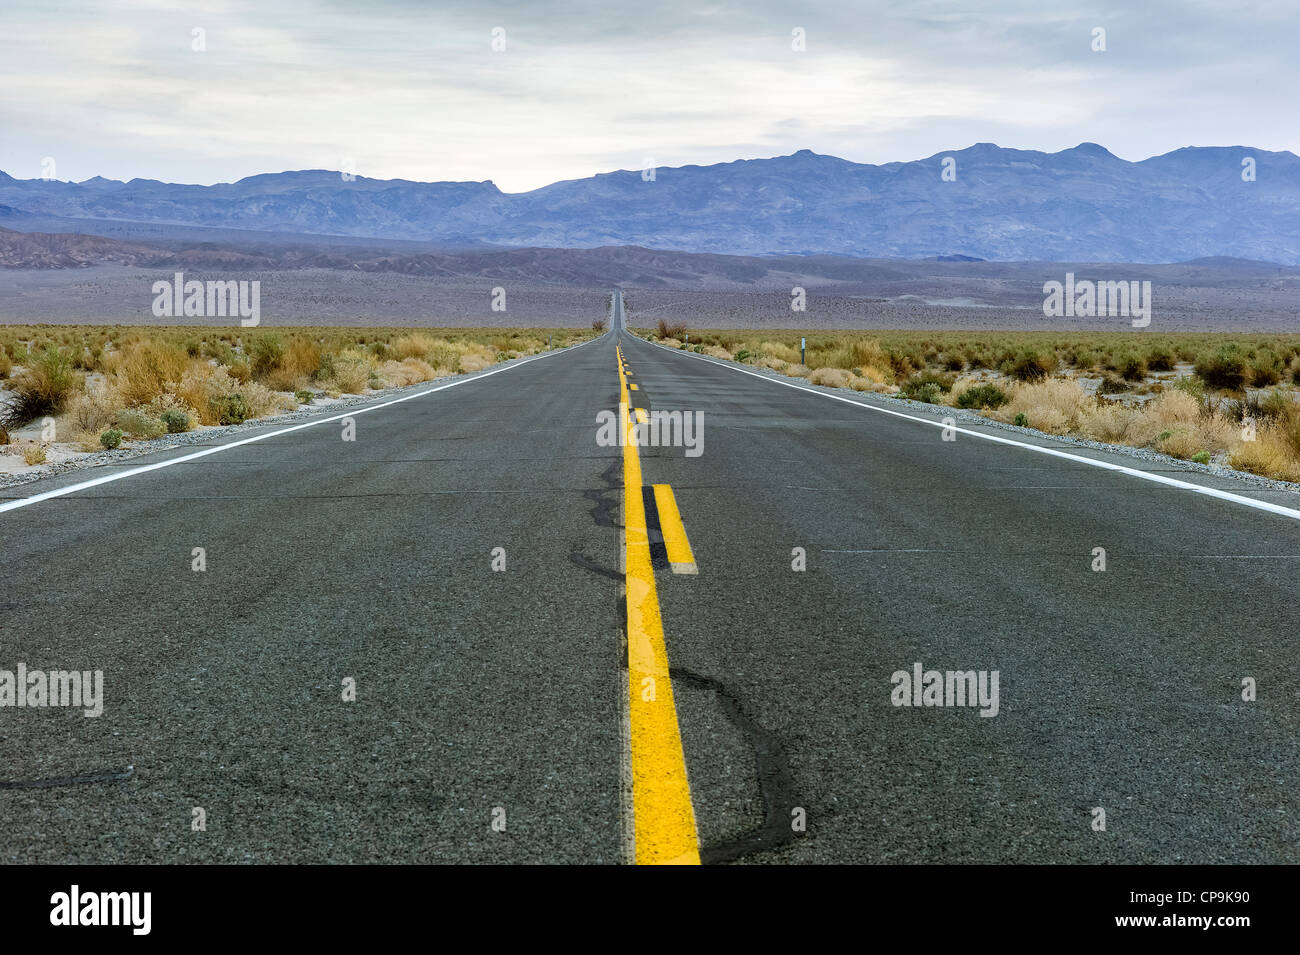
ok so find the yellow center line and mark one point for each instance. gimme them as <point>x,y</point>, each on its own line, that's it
<point>664,818</point>
<point>676,543</point>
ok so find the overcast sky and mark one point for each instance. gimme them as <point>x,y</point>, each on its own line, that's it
<point>409,89</point>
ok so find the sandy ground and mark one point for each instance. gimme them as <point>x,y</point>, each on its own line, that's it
<point>116,295</point>
<point>1188,309</point>
<point>989,296</point>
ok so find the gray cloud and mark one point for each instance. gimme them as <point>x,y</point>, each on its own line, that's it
<point>414,90</point>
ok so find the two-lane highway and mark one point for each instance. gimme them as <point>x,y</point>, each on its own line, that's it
<point>496,710</point>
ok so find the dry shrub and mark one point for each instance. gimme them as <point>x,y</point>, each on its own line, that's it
<point>87,441</point>
<point>1180,443</point>
<point>779,350</point>
<point>408,371</point>
<point>261,400</point>
<point>963,384</point>
<point>1269,455</point>
<point>717,351</point>
<point>1275,452</point>
<point>527,346</point>
<point>1055,405</point>
<point>1108,421</point>
<point>443,355</point>
<point>202,383</point>
<point>43,387</point>
<point>1051,420</point>
<point>1181,415</point>
<point>418,345</point>
<point>866,353</point>
<point>145,370</point>
<point>861,383</point>
<point>171,402</point>
<point>474,362</point>
<point>282,379</point>
<point>670,342</point>
<point>139,424</point>
<point>874,373</point>
<point>1166,412</point>
<point>351,371</point>
<point>92,412</point>
<point>834,377</point>
<point>297,366</point>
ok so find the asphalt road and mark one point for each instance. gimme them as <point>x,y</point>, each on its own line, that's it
<point>501,696</point>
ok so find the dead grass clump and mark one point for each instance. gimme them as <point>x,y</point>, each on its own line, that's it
<point>408,371</point>
<point>138,424</point>
<point>43,387</point>
<point>92,412</point>
<point>962,384</point>
<point>1054,405</point>
<point>1275,452</point>
<point>834,377</point>
<point>474,362</point>
<point>299,364</point>
<point>413,346</point>
<point>863,383</point>
<point>864,353</point>
<point>164,407</point>
<point>262,401</point>
<point>778,350</point>
<point>144,370</point>
<point>1164,413</point>
<point>1108,421</point>
<point>350,371</point>
<point>202,386</point>
<point>1270,455</point>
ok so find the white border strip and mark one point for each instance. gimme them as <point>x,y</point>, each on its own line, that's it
<point>145,468</point>
<point>1052,452</point>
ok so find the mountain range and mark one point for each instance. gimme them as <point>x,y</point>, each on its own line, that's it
<point>1080,204</point>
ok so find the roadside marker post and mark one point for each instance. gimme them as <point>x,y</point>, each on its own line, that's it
<point>802,342</point>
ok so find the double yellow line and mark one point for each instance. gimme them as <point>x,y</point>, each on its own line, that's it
<point>664,828</point>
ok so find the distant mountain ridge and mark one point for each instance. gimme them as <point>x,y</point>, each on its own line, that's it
<point>1080,204</point>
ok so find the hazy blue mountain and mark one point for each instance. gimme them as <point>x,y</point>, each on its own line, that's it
<point>1005,204</point>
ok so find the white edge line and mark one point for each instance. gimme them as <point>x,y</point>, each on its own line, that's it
<point>145,468</point>
<point>1053,452</point>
